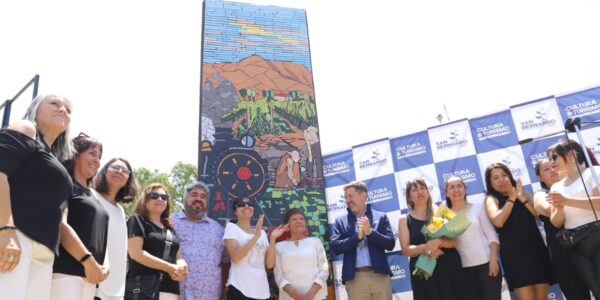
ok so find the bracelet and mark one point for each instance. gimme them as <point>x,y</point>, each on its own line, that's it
<point>85,257</point>
<point>8,227</point>
<point>511,201</point>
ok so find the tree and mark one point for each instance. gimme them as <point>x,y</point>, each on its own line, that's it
<point>145,177</point>
<point>182,174</point>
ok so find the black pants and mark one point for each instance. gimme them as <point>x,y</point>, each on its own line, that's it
<point>235,294</point>
<point>587,263</point>
<point>480,285</point>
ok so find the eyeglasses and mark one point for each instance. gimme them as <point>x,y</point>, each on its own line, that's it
<point>243,203</point>
<point>120,168</point>
<point>553,157</point>
<point>156,196</point>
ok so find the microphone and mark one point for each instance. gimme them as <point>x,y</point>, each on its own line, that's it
<point>525,141</point>
<point>571,123</point>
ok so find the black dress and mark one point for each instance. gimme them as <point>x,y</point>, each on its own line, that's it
<point>447,281</point>
<point>523,254</point>
<point>566,275</point>
<point>154,243</point>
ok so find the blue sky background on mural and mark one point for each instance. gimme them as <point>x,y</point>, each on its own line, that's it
<point>381,68</point>
<point>255,32</point>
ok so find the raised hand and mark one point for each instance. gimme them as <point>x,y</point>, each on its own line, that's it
<point>277,232</point>
<point>259,225</point>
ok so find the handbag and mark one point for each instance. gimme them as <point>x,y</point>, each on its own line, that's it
<point>147,287</point>
<point>583,238</point>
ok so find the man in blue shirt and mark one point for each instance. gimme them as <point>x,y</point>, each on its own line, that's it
<point>362,236</point>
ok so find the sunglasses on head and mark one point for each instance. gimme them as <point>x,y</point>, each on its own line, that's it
<point>120,168</point>
<point>156,196</point>
<point>243,203</point>
<point>553,157</point>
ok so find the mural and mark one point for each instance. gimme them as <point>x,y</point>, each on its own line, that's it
<point>259,129</point>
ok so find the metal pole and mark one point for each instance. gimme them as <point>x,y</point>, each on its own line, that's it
<point>5,119</point>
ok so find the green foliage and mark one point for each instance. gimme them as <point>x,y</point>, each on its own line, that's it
<point>297,112</point>
<point>259,114</point>
<point>181,175</point>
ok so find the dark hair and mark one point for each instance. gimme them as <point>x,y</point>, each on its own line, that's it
<point>81,143</point>
<point>128,192</point>
<point>562,148</point>
<point>291,212</point>
<point>238,200</point>
<point>413,184</point>
<point>448,201</point>
<point>488,178</point>
<point>537,167</point>
<point>140,204</point>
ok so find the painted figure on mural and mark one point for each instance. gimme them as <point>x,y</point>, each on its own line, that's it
<point>288,170</point>
<point>314,166</point>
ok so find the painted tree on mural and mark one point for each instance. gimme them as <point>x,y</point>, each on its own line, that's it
<point>270,117</point>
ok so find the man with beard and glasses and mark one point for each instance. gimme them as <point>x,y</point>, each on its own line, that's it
<point>201,246</point>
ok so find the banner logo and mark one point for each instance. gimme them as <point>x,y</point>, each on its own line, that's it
<point>398,272</point>
<point>405,151</point>
<point>454,140</point>
<point>380,194</point>
<point>582,109</point>
<point>466,174</point>
<point>336,168</point>
<point>339,204</point>
<point>492,131</point>
<point>540,120</point>
<point>373,161</point>
<point>516,172</point>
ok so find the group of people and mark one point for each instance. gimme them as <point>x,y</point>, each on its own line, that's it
<point>64,234</point>
<point>503,232</point>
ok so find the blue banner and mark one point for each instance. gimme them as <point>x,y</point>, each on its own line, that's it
<point>465,167</point>
<point>411,151</point>
<point>338,168</point>
<point>584,105</point>
<point>493,132</point>
<point>400,272</point>
<point>383,195</point>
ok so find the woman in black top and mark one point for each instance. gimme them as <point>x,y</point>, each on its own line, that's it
<point>83,230</point>
<point>523,254</point>
<point>448,280</point>
<point>149,228</point>
<point>34,188</point>
<point>569,280</point>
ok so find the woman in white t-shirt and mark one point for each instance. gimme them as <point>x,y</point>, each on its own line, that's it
<point>478,246</point>
<point>250,253</point>
<point>571,207</point>
<point>115,183</point>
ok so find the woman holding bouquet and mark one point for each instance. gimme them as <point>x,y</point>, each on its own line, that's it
<point>478,246</point>
<point>447,281</point>
<point>524,255</point>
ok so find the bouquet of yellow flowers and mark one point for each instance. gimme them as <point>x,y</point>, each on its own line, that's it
<point>445,223</point>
